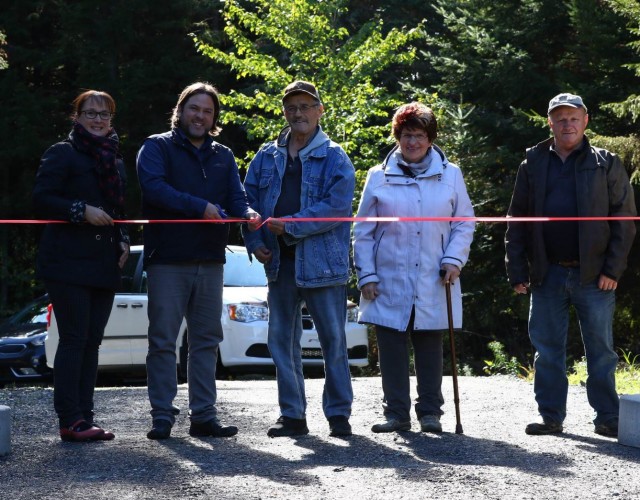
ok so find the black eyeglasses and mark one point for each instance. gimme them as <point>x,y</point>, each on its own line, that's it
<point>304,108</point>
<point>91,114</point>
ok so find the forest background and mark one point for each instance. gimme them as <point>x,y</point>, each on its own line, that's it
<point>487,67</point>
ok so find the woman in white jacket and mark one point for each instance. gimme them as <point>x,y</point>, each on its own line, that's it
<point>398,264</point>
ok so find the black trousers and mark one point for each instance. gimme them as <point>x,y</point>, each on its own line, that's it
<point>81,314</point>
<point>393,356</point>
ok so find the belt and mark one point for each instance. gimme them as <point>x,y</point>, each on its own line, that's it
<point>568,263</point>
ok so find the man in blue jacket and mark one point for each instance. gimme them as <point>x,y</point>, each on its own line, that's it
<point>303,174</point>
<point>185,174</point>
<point>567,263</point>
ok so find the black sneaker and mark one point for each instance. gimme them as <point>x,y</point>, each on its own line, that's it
<point>609,429</point>
<point>161,429</point>
<point>544,427</point>
<point>339,426</point>
<point>287,426</point>
<point>212,428</point>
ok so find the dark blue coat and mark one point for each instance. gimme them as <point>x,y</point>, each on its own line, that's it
<point>75,253</point>
<point>177,182</point>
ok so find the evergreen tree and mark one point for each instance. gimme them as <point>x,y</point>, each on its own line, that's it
<point>139,53</point>
<point>630,10</point>
<point>505,60</point>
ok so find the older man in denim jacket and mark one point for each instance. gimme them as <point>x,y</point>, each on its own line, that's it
<point>303,174</point>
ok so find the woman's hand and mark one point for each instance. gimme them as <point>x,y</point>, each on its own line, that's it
<point>451,273</point>
<point>370,291</point>
<point>97,217</point>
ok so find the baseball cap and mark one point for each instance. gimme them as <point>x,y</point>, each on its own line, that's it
<point>571,100</point>
<point>301,87</point>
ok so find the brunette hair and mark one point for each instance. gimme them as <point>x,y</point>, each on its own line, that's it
<point>190,91</point>
<point>415,115</point>
<point>89,95</point>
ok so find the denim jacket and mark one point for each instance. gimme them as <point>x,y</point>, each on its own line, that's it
<point>328,181</point>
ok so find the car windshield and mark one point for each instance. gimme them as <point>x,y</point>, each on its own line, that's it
<point>35,312</point>
<point>239,271</point>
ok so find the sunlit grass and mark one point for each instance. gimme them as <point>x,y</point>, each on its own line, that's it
<point>627,374</point>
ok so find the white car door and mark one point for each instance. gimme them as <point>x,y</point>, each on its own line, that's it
<point>121,336</point>
<point>126,330</point>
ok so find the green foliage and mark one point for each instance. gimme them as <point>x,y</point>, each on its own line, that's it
<point>627,373</point>
<point>626,147</point>
<point>3,54</point>
<point>274,42</point>
<point>630,10</point>
<point>505,60</point>
<point>501,363</point>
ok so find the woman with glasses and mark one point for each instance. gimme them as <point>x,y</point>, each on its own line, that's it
<point>81,181</point>
<point>398,264</point>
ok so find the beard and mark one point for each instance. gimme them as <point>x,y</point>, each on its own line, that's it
<point>190,133</point>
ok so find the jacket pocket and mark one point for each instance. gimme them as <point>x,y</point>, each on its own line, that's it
<point>315,189</point>
<point>265,179</point>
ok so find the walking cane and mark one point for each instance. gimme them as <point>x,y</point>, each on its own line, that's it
<point>454,368</point>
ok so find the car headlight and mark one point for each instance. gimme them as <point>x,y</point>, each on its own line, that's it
<point>246,313</point>
<point>352,314</point>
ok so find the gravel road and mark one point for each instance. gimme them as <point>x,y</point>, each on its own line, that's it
<point>493,459</point>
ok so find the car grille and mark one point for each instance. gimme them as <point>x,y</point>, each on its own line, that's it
<point>12,348</point>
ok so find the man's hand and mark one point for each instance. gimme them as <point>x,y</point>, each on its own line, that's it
<point>370,291</point>
<point>276,226</point>
<point>263,254</point>
<point>97,217</point>
<point>253,220</point>
<point>605,283</point>
<point>211,212</point>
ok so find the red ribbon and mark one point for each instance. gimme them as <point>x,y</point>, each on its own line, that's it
<point>338,219</point>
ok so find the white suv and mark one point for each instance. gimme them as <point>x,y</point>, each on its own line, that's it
<point>244,322</point>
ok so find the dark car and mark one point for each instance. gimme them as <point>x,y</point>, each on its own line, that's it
<point>22,336</point>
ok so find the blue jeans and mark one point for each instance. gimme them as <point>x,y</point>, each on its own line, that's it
<point>328,308</point>
<point>194,292</point>
<point>548,326</point>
